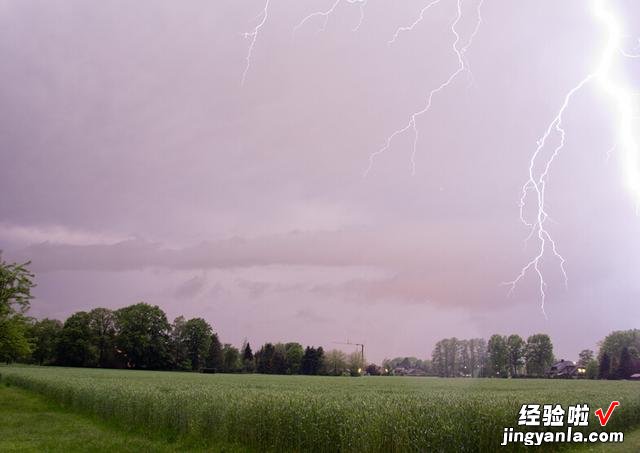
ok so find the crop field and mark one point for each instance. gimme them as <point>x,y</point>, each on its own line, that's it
<point>294,413</point>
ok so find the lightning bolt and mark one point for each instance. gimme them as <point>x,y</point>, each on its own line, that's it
<point>252,37</point>
<point>326,14</point>
<point>459,52</point>
<point>537,182</point>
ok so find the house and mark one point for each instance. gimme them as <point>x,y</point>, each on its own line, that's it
<point>565,369</point>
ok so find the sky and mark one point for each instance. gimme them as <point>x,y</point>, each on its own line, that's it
<point>136,166</point>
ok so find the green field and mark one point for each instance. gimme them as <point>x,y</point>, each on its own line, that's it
<point>294,413</point>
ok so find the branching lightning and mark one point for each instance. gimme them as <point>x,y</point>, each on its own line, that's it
<point>326,14</point>
<point>253,36</point>
<point>537,182</point>
<point>533,191</point>
<point>459,52</point>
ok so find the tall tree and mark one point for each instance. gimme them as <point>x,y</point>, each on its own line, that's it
<point>355,363</point>
<point>197,339</point>
<point>76,345</point>
<point>178,346</point>
<point>515,350</point>
<point>264,359</point>
<point>247,358</point>
<point>614,344</point>
<point>231,358</point>
<point>294,353</point>
<point>585,357</point>
<point>539,354</point>
<point>279,359</point>
<point>16,282</point>
<point>498,356</point>
<point>215,356</point>
<point>45,335</point>
<point>312,360</point>
<point>143,336</point>
<point>335,362</point>
<point>625,367</point>
<point>102,324</point>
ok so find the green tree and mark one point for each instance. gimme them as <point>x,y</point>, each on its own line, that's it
<point>102,324</point>
<point>591,369</point>
<point>355,363</point>
<point>625,367</point>
<point>264,359</point>
<point>312,360</point>
<point>197,339</point>
<point>231,358</point>
<point>498,356</point>
<point>614,344</point>
<point>604,369</point>
<point>76,345</point>
<point>585,357</point>
<point>247,358</point>
<point>215,356</point>
<point>335,362</point>
<point>294,353</point>
<point>539,354</point>
<point>16,282</point>
<point>45,335</point>
<point>143,336</point>
<point>515,350</point>
<point>179,354</point>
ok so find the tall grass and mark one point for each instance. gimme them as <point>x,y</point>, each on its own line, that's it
<point>298,413</point>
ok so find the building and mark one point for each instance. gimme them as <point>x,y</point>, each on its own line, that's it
<point>565,369</point>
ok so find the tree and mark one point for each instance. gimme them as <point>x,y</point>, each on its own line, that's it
<point>264,359</point>
<point>45,335</point>
<point>447,357</point>
<point>515,352</point>
<point>102,324</point>
<point>247,358</point>
<point>335,362</point>
<point>231,358</point>
<point>143,336</point>
<point>14,338</point>
<point>614,344</point>
<point>196,338</point>
<point>539,354</point>
<point>498,356</point>
<point>585,357</point>
<point>312,360</point>
<point>625,367</point>
<point>591,371</point>
<point>16,282</point>
<point>294,354</point>
<point>76,346</point>
<point>178,347</point>
<point>279,359</point>
<point>215,356</point>
<point>605,366</point>
<point>355,363</point>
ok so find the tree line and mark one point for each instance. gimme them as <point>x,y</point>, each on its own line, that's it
<point>140,336</point>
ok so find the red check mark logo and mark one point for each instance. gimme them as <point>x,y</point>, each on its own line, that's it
<point>604,418</point>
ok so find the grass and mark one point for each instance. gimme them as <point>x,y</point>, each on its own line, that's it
<point>298,413</point>
<point>31,423</point>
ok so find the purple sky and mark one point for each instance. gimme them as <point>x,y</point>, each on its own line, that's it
<point>134,166</point>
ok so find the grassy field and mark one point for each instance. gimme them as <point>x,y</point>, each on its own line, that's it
<point>289,413</point>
